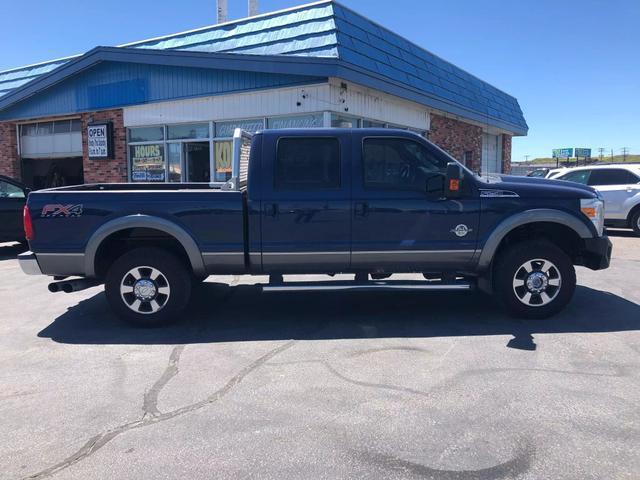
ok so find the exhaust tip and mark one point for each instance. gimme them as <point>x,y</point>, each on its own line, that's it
<point>67,288</point>
<point>53,287</point>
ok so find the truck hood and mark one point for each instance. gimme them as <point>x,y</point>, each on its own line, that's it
<point>536,187</point>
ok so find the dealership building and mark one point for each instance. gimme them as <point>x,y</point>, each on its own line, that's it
<point>164,109</point>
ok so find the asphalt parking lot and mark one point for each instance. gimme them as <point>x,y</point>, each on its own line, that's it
<point>322,385</point>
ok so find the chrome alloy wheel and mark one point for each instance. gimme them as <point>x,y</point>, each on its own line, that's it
<point>537,282</point>
<point>145,290</point>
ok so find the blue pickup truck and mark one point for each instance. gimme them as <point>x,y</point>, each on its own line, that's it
<point>367,202</point>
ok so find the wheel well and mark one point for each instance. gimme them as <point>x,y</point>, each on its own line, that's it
<point>631,214</point>
<point>120,242</point>
<point>560,235</point>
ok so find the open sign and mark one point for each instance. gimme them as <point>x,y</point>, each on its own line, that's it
<point>99,140</point>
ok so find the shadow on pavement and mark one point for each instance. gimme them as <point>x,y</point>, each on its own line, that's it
<point>222,313</point>
<point>9,251</point>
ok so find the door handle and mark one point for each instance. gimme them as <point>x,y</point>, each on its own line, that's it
<point>361,209</point>
<point>271,210</point>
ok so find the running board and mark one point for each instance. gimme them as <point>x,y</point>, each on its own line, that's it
<point>366,286</point>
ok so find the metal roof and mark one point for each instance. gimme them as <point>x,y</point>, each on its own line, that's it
<point>327,29</point>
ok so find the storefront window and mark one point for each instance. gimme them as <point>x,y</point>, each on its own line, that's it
<point>342,121</point>
<point>372,124</point>
<point>147,163</point>
<point>298,121</point>
<point>174,158</point>
<point>146,134</point>
<point>190,131</point>
<point>226,129</point>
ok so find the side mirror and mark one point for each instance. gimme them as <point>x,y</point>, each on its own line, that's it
<point>453,180</point>
<point>435,184</point>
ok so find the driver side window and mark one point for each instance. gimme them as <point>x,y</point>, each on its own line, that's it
<point>399,164</point>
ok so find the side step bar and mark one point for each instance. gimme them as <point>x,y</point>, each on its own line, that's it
<point>366,286</point>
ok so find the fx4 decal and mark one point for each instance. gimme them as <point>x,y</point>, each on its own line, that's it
<point>61,211</point>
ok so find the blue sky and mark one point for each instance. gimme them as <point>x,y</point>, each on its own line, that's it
<point>573,65</point>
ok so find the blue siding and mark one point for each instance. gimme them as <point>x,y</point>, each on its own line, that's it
<point>112,84</point>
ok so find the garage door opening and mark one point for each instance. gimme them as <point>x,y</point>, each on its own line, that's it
<point>51,153</point>
<point>40,173</point>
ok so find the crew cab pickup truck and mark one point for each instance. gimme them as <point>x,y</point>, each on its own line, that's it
<point>368,202</point>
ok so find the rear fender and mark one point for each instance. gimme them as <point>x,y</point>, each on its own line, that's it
<point>142,221</point>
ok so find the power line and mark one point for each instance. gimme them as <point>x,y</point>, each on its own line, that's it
<point>625,152</point>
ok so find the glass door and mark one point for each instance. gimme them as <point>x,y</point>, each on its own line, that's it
<point>174,160</point>
<point>196,156</point>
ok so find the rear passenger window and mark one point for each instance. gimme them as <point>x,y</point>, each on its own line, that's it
<point>307,164</point>
<point>612,176</point>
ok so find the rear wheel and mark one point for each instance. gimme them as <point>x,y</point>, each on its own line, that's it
<point>635,223</point>
<point>148,287</point>
<point>534,279</point>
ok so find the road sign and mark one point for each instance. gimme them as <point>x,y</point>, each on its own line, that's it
<point>583,152</point>
<point>562,152</point>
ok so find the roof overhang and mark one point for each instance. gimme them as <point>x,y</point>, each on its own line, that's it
<point>294,65</point>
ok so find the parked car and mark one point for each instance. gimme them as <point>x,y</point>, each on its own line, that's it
<point>370,202</point>
<point>538,172</point>
<point>556,172</point>
<point>619,185</point>
<point>13,196</point>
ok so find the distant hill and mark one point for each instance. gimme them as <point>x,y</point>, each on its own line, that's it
<point>606,159</point>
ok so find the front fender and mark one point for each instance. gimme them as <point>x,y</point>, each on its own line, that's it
<point>142,221</point>
<point>529,216</point>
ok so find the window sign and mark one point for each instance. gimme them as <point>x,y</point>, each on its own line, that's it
<point>298,121</point>
<point>223,156</point>
<point>99,140</point>
<point>147,163</point>
<point>226,129</point>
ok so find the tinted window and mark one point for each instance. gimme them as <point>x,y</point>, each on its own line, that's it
<point>612,176</point>
<point>397,163</point>
<point>307,164</point>
<point>7,190</point>
<point>579,176</point>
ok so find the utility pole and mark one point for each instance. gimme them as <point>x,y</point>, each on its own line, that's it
<point>601,151</point>
<point>526,158</point>
<point>625,152</point>
<point>612,155</point>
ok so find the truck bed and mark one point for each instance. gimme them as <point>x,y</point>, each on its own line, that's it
<point>68,220</point>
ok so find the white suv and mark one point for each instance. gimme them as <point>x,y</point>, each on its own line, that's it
<point>619,185</point>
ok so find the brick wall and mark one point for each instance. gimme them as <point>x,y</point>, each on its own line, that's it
<point>9,161</point>
<point>456,138</point>
<point>105,171</point>
<point>506,153</point>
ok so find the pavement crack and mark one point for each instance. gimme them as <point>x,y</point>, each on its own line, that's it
<point>96,442</point>
<point>150,401</point>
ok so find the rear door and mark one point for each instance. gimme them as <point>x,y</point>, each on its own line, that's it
<point>306,203</point>
<point>616,186</point>
<point>401,222</point>
<point>12,200</point>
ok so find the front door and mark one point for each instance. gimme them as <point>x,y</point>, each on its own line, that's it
<point>306,204</point>
<point>196,156</point>
<point>401,222</point>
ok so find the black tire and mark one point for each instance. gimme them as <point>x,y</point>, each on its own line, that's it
<point>534,279</point>
<point>635,223</point>
<point>161,300</point>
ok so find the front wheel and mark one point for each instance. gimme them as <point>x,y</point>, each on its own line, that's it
<point>534,279</point>
<point>148,287</point>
